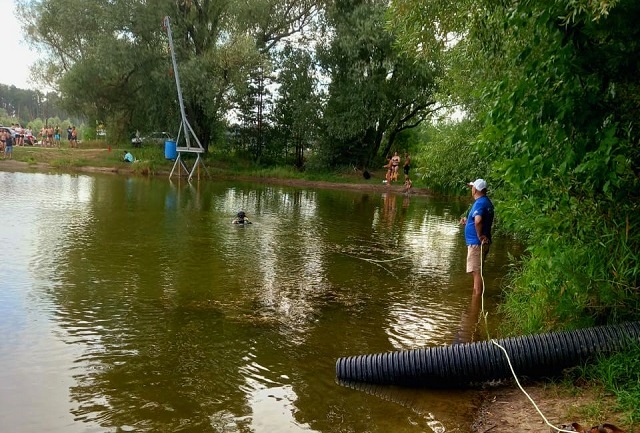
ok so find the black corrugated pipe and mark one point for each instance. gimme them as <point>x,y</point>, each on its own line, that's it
<point>469,363</point>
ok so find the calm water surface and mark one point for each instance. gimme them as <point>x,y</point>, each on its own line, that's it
<point>133,305</point>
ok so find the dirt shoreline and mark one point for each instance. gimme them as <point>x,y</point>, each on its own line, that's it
<point>503,409</point>
<point>507,409</point>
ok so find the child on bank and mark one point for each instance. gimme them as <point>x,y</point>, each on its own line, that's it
<point>407,185</point>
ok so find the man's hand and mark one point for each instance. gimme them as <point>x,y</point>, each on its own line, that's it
<point>463,220</point>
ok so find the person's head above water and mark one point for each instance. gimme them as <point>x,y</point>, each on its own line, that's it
<point>241,218</point>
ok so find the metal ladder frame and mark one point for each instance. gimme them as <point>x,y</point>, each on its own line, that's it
<point>184,124</point>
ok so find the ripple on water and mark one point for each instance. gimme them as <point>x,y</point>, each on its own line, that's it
<point>413,325</point>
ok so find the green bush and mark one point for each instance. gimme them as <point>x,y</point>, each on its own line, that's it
<point>570,281</point>
<point>448,157</point>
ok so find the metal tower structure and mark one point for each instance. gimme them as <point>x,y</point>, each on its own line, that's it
<point>185,127</point>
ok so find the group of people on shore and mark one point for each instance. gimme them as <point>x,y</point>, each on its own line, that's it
<point>21,135</point>
<point>50,136</point>
<point>393,168</point>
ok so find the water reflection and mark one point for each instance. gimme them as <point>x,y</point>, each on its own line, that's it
<point>431,405</point>
<point>141,308</point>
<point>470,321</point>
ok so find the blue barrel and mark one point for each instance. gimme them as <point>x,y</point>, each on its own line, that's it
<point>170,150</point>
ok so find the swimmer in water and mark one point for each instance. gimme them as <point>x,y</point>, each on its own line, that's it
<point>241,218</point>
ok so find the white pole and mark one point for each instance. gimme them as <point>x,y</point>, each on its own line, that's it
<point>185,124</point>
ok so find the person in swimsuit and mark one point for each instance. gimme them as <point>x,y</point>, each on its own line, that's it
<point>389,171</point>
<point>407,166</point>
<point>50,136</point>
<point>407,185</point>
<point>395,164</point>
<point>56,136</point>
<point>74,137</point>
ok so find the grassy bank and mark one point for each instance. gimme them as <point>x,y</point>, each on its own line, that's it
<point>150,160</point>
<point>97,154</point>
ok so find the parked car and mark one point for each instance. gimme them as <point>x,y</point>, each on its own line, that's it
<point>154,138</point>
<point>136,139</point>
<point>29,139</point>
<point>12,131</point>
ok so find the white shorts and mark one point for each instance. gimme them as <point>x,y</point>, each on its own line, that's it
<point>473,257</point>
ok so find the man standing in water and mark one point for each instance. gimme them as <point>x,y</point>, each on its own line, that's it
<point>477,231</point>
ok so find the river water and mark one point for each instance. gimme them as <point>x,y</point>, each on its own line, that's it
<point>132,304</point>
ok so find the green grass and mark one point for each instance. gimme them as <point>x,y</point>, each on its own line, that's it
<point>618,374</point>
<point>151,160</point>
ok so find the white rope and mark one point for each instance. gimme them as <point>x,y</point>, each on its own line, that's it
<point>385,261</point>
<point>525,392</point>
<point>406,256</point>
<point>507,355</point>
<point>482,278</point>
<point>376,262</point>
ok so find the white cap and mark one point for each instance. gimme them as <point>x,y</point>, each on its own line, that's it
<point>478,184</point>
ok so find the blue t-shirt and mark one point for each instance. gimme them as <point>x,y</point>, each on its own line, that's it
<point>128,157</point>
<point>483,207</point>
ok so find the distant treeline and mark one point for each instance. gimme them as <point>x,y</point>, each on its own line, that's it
<point>23,105</point>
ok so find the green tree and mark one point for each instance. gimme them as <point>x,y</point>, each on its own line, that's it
<point>556,90</point>
<point>272,22</point>
<point>254,107</point>
<point>113,62</point>
<point>298,108</point>
<point>446,157</point>
<point>106,63</point>
<point>375,91</point>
